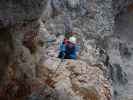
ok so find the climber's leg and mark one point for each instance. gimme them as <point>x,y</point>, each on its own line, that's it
<point>67,56</point>
<point>61,54</point>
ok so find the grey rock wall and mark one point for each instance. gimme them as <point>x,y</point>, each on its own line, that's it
<point>104,17</point>
<point>93,20</point>
<point>119,5</point>
<point>14,11</point>
<point>19,26</point>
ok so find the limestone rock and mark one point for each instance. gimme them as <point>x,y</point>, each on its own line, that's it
<point>76,80</point>
<point>43,93</point>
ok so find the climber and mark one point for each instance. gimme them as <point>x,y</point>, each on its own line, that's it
<point>69,48</point>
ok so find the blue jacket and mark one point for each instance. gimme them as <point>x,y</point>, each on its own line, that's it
<point>73,54</point>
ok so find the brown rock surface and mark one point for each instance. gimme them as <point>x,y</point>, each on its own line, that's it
<point>76,80</point>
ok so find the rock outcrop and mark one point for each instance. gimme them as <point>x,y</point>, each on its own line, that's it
<point>19,27</point>
<point>76,80</point>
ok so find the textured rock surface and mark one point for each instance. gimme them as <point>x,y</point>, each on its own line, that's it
<point>76,80</point>
<point>119,5</point>
<point>19,27</point>
<point>104,17</point>
<point>96,31</point>
<point>123,50</point>
<point>14,12</point>
<point>29,48</point>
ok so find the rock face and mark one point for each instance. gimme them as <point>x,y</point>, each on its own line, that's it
<point>119,5</point>
<point>30,34</point>
<point>97,29</point>
<point>104,17</point>
<point>19,27</point>
<point>122,50</point>
<point>76,80</point>
<point>13,11</point>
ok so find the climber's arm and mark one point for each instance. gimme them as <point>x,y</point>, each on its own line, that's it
<point>62,47</point>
